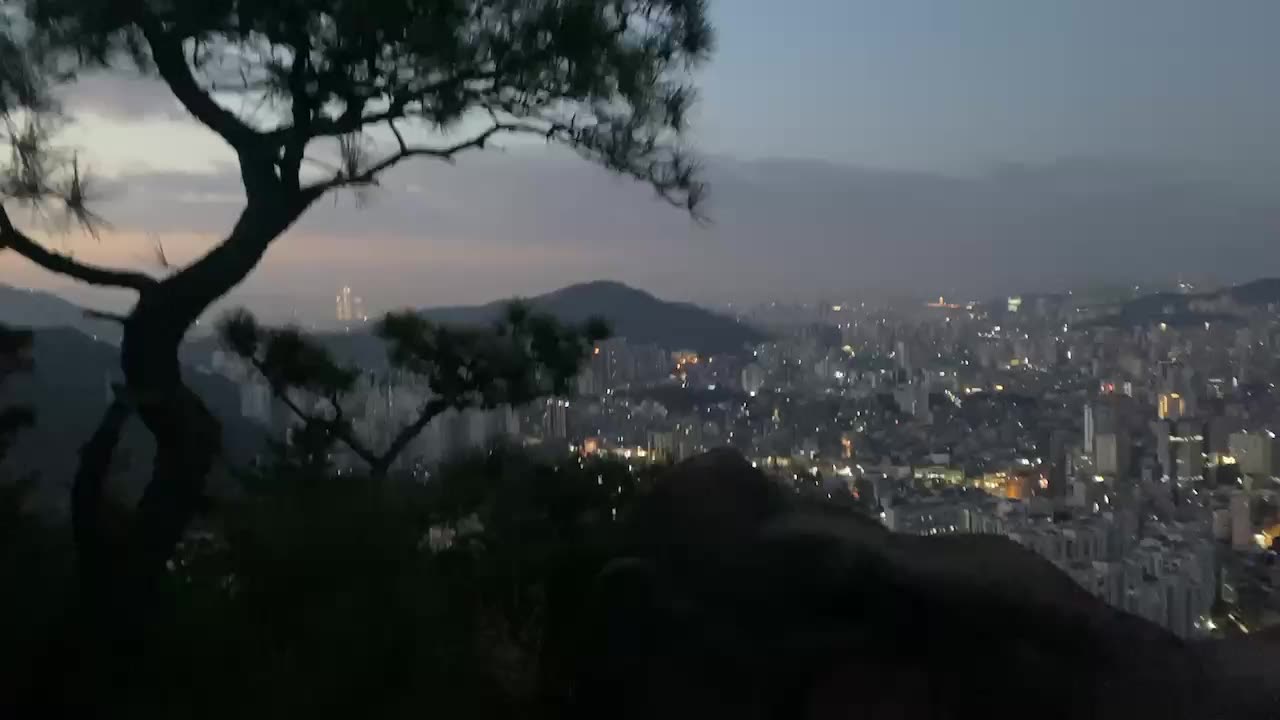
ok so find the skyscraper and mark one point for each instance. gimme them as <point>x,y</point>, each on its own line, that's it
<point>1089,428</point>
<point>350,307</point>
<point>753,379</point>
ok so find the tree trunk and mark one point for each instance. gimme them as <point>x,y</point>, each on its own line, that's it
<point>188,438</point>
<point>187,435</point>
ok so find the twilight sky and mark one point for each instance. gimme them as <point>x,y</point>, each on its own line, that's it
<point>853,146</point>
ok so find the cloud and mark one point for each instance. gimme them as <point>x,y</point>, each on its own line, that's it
<point>523,222</point>
<point>120,96</point>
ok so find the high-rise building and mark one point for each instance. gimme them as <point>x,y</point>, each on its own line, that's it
<point>350,307</point>
<point>555,421</point>
<point>1089,428</point>
<point>1241,522</point>
<point>752,379</point>
<point>1187,448</point>
<point>1171,406</point>
<point>1111,454</point>
<point>1252,452</point>
<point>1100,416</point>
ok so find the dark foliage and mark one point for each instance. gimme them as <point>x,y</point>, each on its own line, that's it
<point>317,79</point>
<point>524,356</point>
<point>15,356</point>
<point>311,594</point>
<point>607,77</point>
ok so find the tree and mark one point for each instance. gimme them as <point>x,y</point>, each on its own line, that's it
<point>607,78</point>
<point>15,356</point>
<point>523,357</point>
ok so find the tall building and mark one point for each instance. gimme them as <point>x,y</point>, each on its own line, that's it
<point>1187,448</point>
<point>1171,406</point>
<point>752,379</point>
<point>555,421</point>
<point>1241,522</point>
<point>1252,452</point>
<point>1100,417</point>
<point>1089,428</point>
<point>1111,454</point>
<point>350,307</point>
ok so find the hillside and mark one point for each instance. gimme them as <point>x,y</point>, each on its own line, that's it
<point>21,307</point>
<point>68,388</point>
<point>634,314</point>
<point>1176,309</point>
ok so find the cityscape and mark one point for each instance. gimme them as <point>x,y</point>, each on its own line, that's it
<point>1140,459</point>
<point>638,359</point>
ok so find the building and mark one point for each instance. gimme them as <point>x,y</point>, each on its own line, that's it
<point>1111,454</point>
<point>1241,522</point>
<point>1171,406</point>
<point>1252,452</point>
<point>661,445</point>
<point>350,307</point>
<point>753,378</point>
<point>555,419</point>
<point>930,516</point>
<point>1180,450</point>
<point>1090,428</point>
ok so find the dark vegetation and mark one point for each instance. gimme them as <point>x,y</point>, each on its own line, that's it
<point>609,80</point>
<point>522,357</point>
<point>299,90</point>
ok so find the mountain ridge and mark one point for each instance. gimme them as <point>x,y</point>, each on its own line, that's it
<point>634,314</point>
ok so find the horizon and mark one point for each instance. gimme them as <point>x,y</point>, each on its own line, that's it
<point>315,311</point>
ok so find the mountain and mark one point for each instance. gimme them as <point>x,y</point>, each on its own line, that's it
<point>21,307</point>
<point>68,389</point>
<point>1257,293</point>
<point>1178,309</point>
<point>633,314</point>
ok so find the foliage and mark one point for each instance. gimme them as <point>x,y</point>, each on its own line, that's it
<point>317,594</point>
<point>15,349</point>
<point>523,357</point>
<point>426,78</point>
<point>610,78</point>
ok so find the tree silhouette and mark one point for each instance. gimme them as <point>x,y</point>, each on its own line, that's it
<point>15,356</point>
<point>523,357</point>
<point>606,78</point>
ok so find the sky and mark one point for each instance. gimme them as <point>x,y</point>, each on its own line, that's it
<point>852,146</point>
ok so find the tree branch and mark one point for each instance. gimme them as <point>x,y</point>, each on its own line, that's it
<point>339,430</point>
<point>11,237</point>
<point>105,316</point>
<point>167,54</point>
<point>430,411</point>
<point>446,153</point>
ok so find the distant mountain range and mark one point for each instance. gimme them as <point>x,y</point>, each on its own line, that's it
<point>633,314</point>
<point>35,309</point>
<point>1177,309</point>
